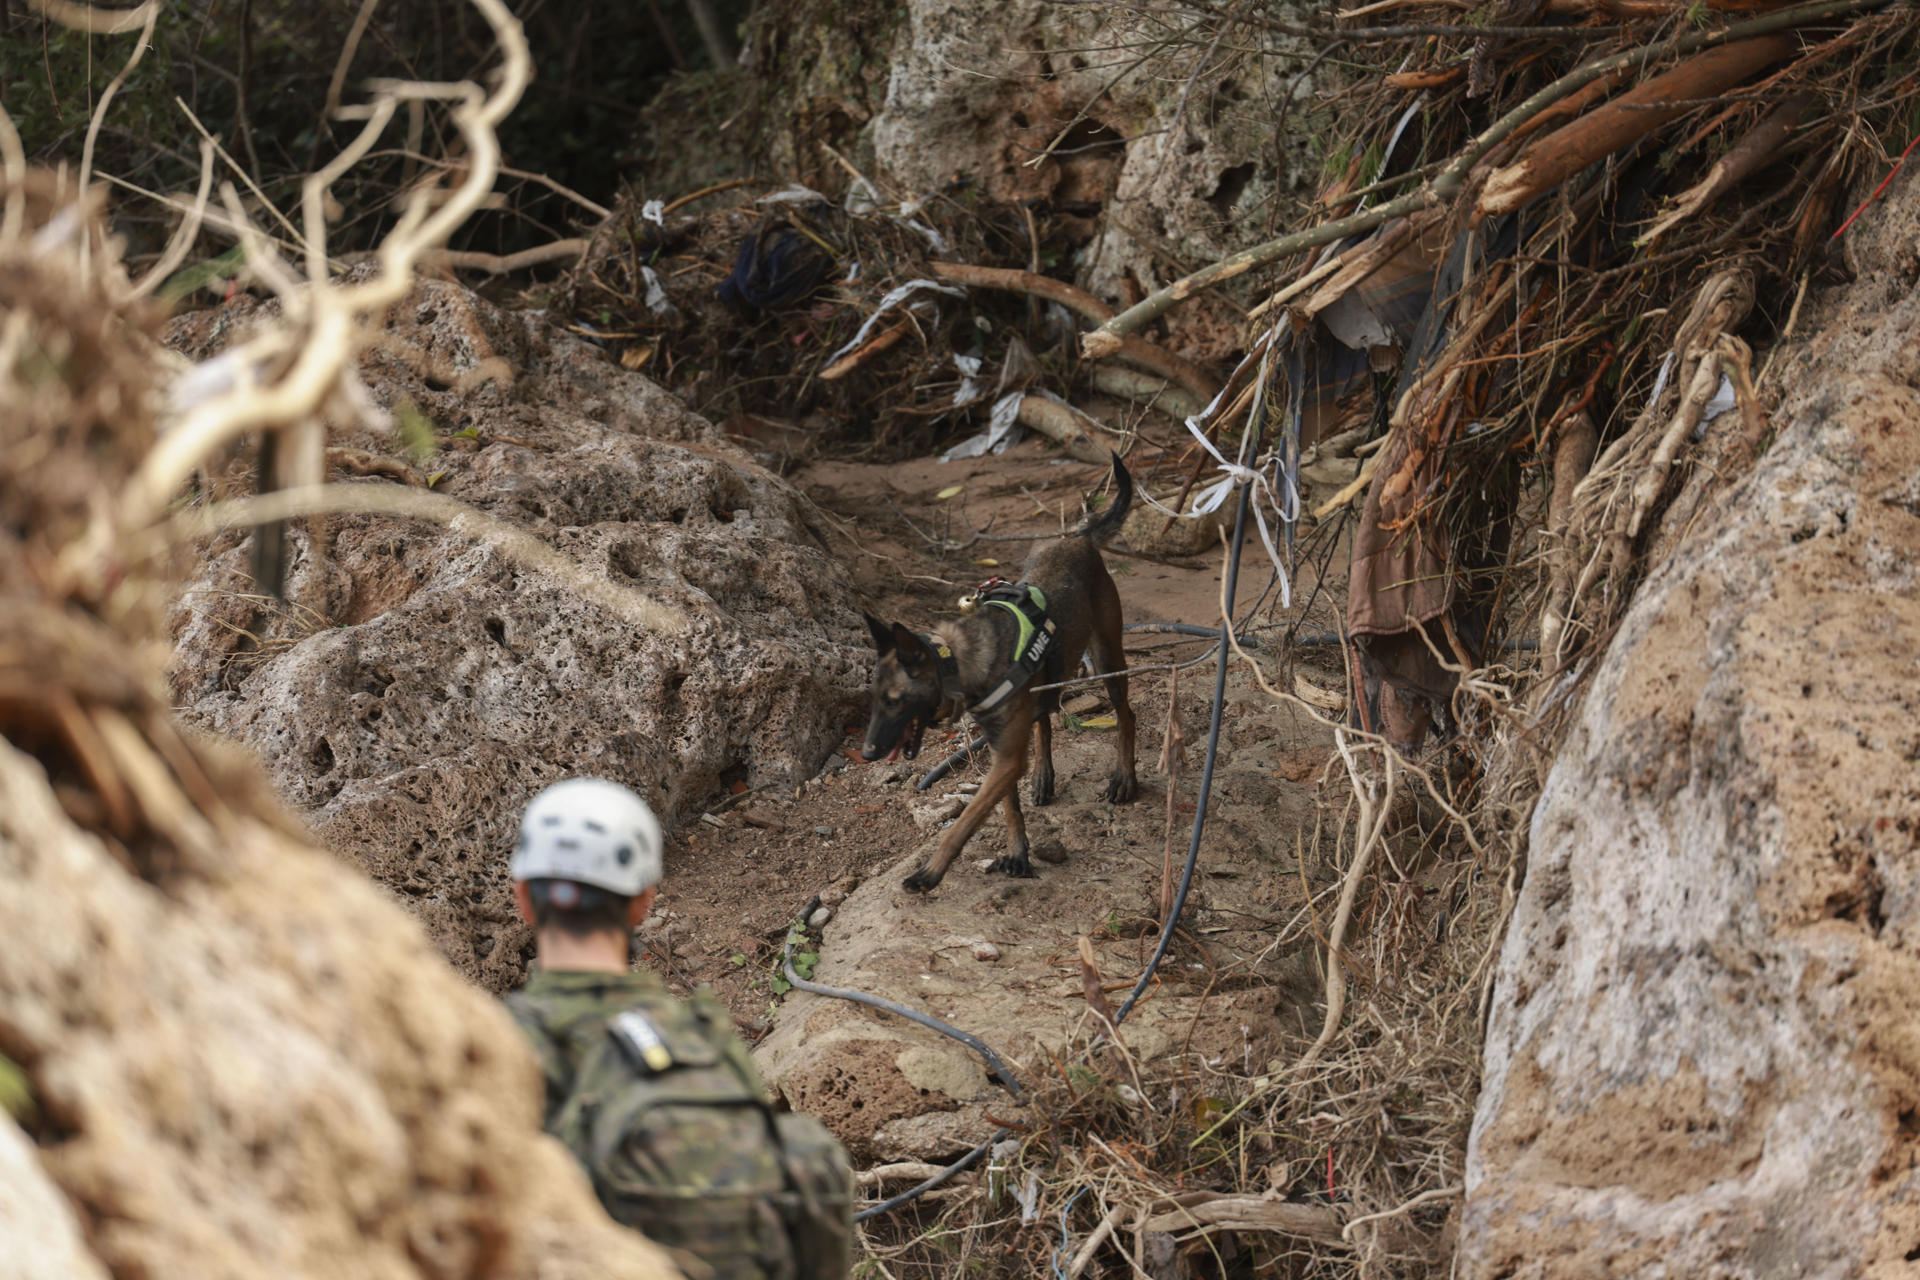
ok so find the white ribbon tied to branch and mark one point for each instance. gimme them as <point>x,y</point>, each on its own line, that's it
<point>1281,493</point>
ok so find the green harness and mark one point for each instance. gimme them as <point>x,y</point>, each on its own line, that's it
<point>1032,650</point>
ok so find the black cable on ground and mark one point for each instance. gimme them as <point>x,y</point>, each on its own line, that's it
<point>999,1068</point>
<point>932,1023</point>
<point>947,766</point>
<point>1206,770</point>
<point>911,1194</point>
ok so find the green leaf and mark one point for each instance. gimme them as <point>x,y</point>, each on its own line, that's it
<point>415,430</point>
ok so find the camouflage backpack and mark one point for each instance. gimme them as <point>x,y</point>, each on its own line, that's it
<point>664,1109</point>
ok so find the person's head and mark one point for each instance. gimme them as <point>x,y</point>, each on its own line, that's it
<point>585,869</point>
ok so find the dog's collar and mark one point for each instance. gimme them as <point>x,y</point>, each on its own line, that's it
<point>946,672</point>
<point>1028,605</point>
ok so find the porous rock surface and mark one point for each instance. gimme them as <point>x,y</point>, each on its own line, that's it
<point>1704,1054</point>
<point>263,1070</point>
<point>1012,95</point>
<point>423,685</point>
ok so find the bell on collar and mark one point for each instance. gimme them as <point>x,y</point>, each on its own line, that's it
<point>970,603</point>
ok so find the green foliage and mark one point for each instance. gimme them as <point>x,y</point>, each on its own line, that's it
<point>416,431</point>
<point>803,961</point>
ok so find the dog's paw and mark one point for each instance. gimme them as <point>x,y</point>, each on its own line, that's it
<point>1013,864</point>
<point>920,881</point>
<point>1121,789</point>
<point>1042,789</point>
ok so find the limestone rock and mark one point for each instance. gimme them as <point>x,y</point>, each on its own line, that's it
<point>43,1237</point>
<point>423,685</point>
<point>264,1071</point>
<point>1704,1057</point>
<point>997,92</point>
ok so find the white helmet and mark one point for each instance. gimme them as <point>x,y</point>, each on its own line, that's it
<point>590,831</point>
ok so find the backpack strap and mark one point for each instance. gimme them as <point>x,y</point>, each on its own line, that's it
<point>546,1048</point>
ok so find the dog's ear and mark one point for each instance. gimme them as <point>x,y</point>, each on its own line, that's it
<point>882,637</point>
<point>907,647</point>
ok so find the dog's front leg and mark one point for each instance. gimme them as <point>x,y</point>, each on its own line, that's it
<point>1000,784</point>
<point>1014,861</point>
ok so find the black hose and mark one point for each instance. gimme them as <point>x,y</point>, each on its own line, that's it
<point>946,766</point>
<point>972,1042</point>
<point>1206,770</point>
<point>999,1068</point>
<point>911,1194</point>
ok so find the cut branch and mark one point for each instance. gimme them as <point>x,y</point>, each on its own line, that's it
<point>1625,120</point>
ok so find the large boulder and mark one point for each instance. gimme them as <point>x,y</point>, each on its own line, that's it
<point>422,685</point>
<point>1704,1054</point>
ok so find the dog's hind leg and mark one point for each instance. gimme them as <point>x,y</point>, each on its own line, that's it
<point>1043,767</point>
<point>1110,656</point>
<point>1000,783</point>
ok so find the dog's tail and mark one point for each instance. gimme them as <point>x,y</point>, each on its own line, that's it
<point>1108,522</point>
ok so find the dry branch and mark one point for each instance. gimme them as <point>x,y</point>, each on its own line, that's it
<point>1571,459</point>
<point>1210,1212</point>
<point>1151,390</point>
<point>1071,429</point>
<point>1749,154</point>
<point>873,346</point>
<point>500,264</point>
<point>1626,119</point>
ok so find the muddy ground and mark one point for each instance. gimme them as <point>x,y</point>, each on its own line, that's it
<point>738,875</point>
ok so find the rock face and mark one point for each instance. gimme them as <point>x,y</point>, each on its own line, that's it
<point>424,685</point>
<point>262,1071</point>
<point>1704,1057</point>
<point>1002,94</point>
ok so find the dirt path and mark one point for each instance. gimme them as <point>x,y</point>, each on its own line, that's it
<point>736,878</point>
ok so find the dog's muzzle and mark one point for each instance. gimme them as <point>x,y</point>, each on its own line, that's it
<point>893,738</point>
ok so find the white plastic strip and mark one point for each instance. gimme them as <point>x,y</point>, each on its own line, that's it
<point>893,299</point>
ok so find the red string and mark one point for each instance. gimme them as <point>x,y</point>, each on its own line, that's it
<point>1877,190</point>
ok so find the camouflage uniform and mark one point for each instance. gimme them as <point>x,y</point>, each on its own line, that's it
<point>687,1151</point>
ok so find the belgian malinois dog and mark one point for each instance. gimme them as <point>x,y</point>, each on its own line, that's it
<point>987,663</point>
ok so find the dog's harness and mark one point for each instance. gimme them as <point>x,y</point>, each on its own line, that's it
<point>1028,605</point>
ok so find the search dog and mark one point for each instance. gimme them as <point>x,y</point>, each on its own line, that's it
<point>1010,639</point>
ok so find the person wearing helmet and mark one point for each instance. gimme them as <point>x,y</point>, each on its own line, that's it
<point>657,1097</point>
